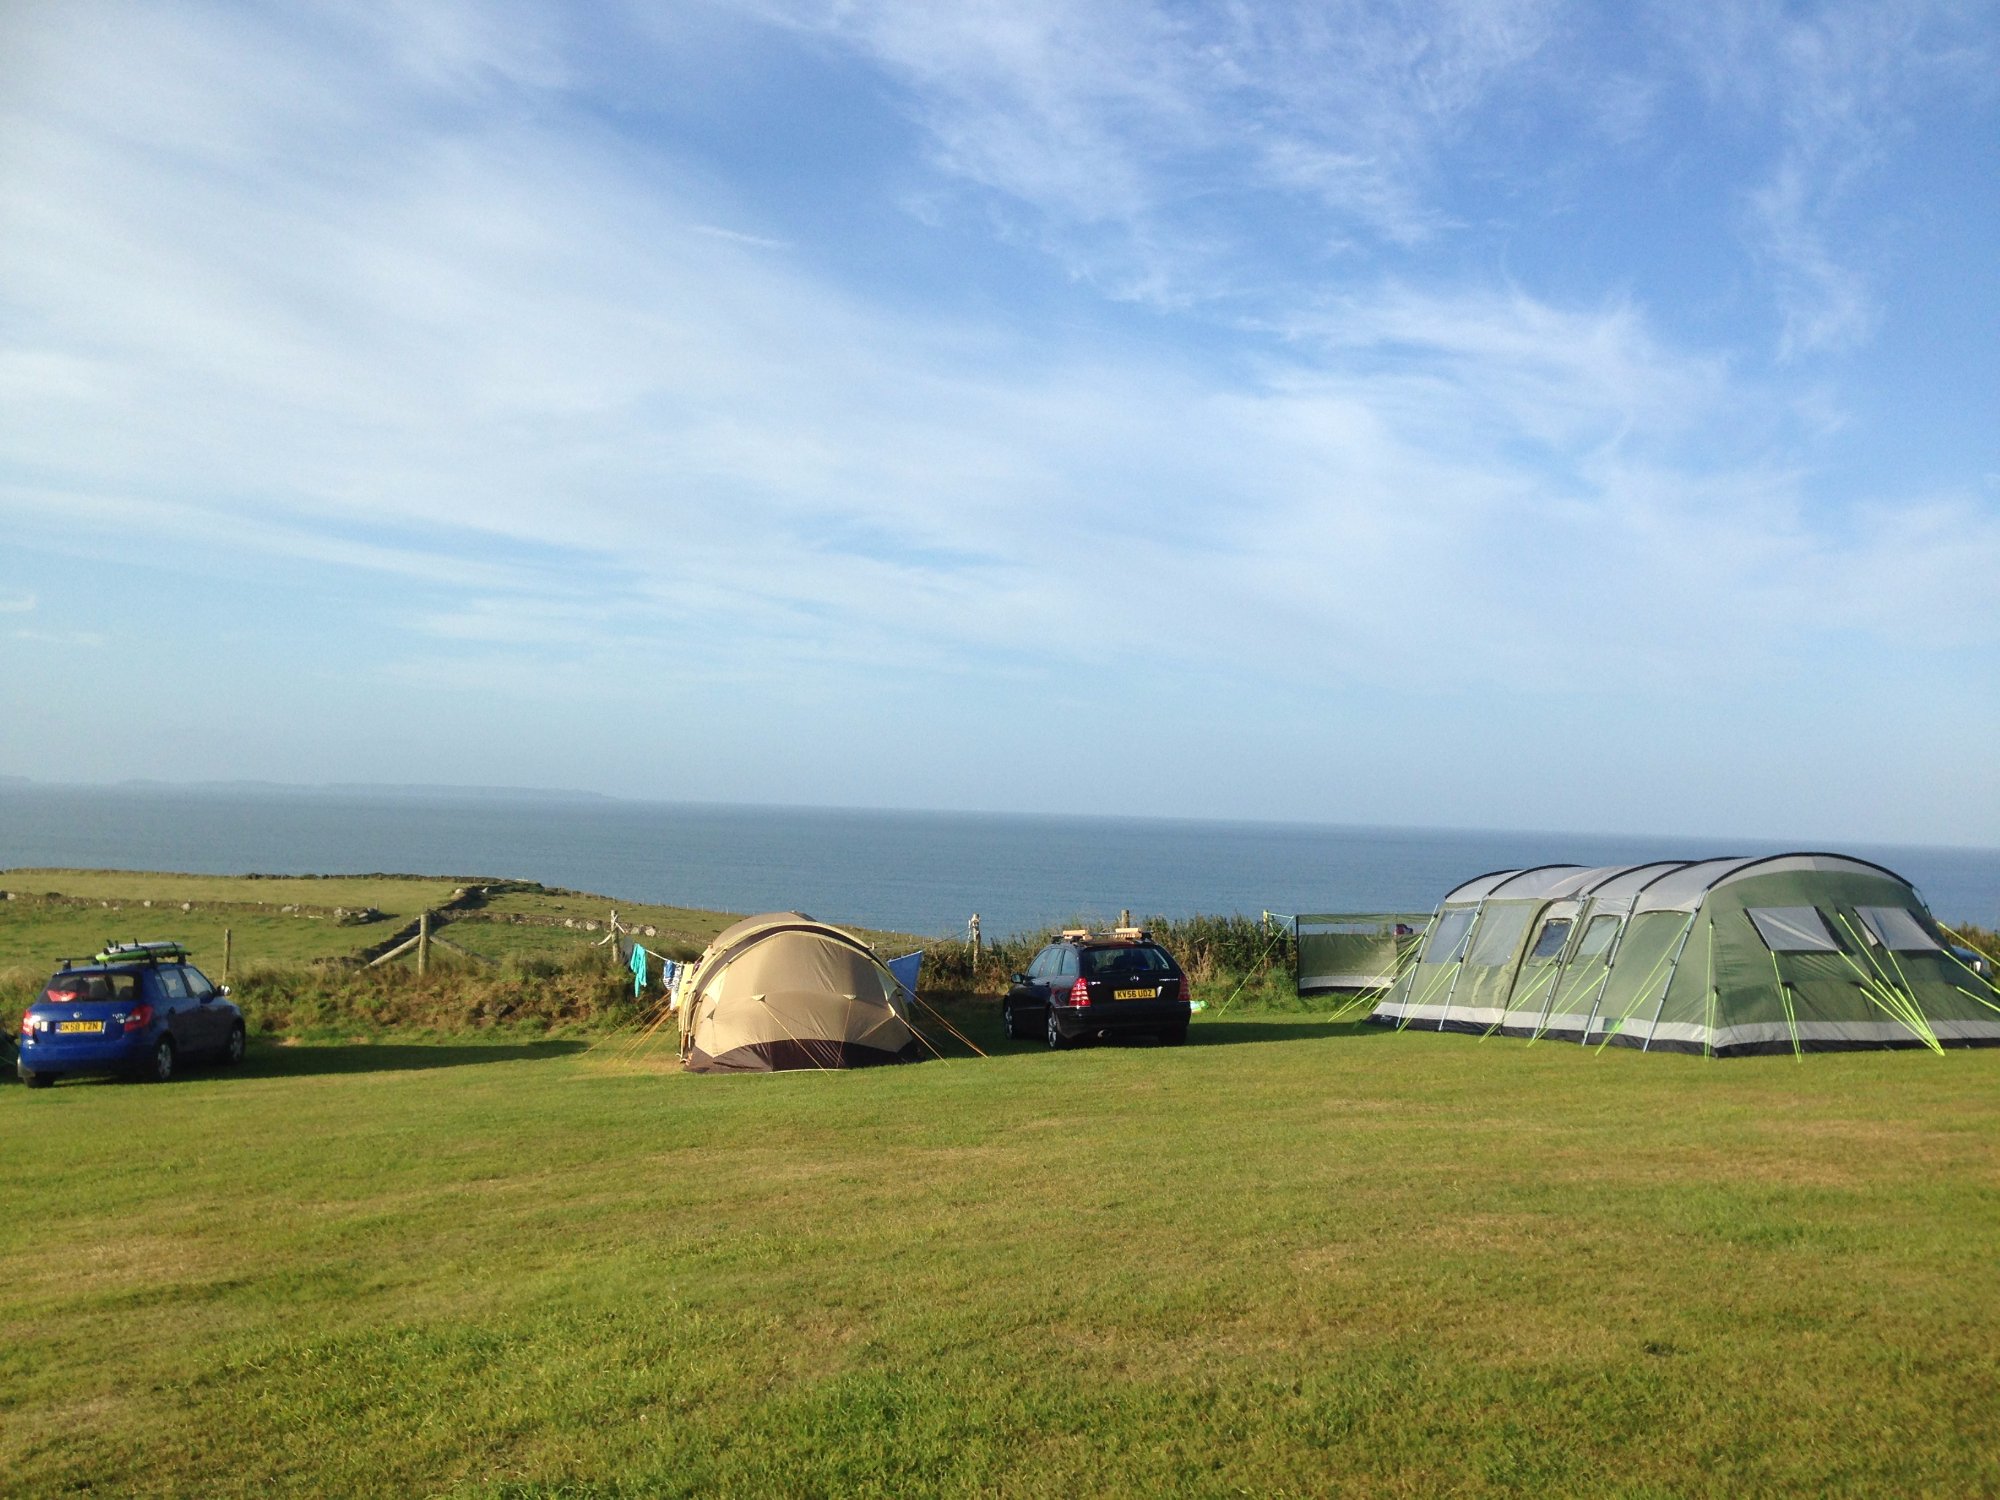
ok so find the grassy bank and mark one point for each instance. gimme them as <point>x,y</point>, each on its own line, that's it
<point>532,958</point>
<point>1291,1258</point>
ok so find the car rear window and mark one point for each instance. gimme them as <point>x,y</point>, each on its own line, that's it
<point>1137,959</point>
<point>69,989</point>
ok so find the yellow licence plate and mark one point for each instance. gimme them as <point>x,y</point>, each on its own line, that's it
<point>1133,994</point>
<point>97,1026</point>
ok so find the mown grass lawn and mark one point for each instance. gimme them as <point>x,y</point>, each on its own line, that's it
<point>1293,1257</point>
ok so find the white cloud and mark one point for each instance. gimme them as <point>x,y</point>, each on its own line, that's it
<point>502,332</point>
<point>577,432</point>
<point>17,604</point>
<point>87,638</point>
<point>1841,85</point>
<point>1135,134</point>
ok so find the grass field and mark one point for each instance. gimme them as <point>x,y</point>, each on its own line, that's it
<point>1293,1257</point>
<point>290,920</point>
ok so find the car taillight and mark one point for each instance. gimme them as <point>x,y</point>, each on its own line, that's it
<point>1079,993</point>
<point>1187,990</point>
<point>140,1019</point>
<point>27,1022</point>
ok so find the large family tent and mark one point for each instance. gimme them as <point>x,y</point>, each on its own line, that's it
<point>1786,953</point>
<point>783,991</point>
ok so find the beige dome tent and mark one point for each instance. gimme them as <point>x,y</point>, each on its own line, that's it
<point>783,991</point>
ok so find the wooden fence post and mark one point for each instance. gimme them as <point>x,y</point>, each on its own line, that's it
<point>226,942</point>
<point>423,943</point>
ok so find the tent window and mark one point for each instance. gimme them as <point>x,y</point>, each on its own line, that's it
<point>1893,927</point>
<point>1555,932</point>
<point>1448,939</point>
<point>1792,929</point>
<point>1499,934</point>
<point>1597,937</point>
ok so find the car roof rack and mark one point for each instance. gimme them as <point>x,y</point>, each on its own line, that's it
<point>141,953</point>
<point>1115,935</point>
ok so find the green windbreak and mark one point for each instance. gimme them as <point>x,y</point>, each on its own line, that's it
<point>1352,960</point>
<point>1639,971</point>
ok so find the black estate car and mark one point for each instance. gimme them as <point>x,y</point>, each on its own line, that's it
<point>1085,985</point>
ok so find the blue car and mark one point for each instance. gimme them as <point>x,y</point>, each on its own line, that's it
<point>136,1008</point>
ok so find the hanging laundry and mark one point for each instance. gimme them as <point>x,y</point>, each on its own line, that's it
<point>638,971</point>
<point>906,970</point>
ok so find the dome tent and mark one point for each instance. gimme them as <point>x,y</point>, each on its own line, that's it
<point>782,991</point>
<point>1786,953</point>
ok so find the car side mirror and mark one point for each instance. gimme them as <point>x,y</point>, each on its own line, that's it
<point>1019,978</point>
<point>222,990</point>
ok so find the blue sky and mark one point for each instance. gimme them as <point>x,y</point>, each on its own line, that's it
<point>1493,414</point>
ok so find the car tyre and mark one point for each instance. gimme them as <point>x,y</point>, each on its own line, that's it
<point>1057,1041</point>
<point>161,1068</point>
<point>36,1080</point>
<point>232,1051</point>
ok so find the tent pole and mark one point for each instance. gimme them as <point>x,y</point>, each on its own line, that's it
<point>1410,1013</point>
<point>1672,969</point>
<point>1604,979</point>
<point>1785,999</point>
<point>1597,992</point>
<point>1902,1001</point>
<point>1708,1040</point>
<point>1505,1010</point>
<point>1580,921</point>
<point>1478,921</point>
<point>1639,995</point>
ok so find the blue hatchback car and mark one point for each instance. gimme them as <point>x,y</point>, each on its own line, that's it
<point>136,1008</point>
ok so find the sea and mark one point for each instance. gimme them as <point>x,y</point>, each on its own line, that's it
<point>917,872</point>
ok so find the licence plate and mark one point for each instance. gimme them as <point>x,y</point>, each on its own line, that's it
<point>1133,994</point>
<point>96,1026</point>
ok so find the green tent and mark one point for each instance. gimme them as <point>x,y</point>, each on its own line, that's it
<point>1786,953</point>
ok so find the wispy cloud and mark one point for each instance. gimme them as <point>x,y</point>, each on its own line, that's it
<point>512,403</point>
<point>1843,85</point>
<point>90,639</point>
<point>17,604</point>
<point>1135,136</point>
<point>738,237</point>
<point>501,335</point>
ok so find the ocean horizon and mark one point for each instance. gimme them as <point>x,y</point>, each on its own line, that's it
<point>908,871</point>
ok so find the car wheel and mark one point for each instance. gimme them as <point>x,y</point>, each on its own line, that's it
<point>161,1068</point>
<point>1009,1022</point>
<point>36,1080</point>
<point>1173,1036</point>
<point>1057,1041</point>
<point>232,1053</point>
